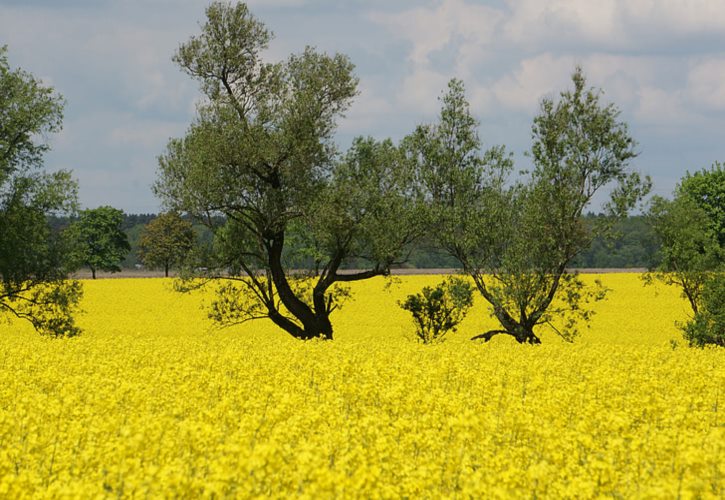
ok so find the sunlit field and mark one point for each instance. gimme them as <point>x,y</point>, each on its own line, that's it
<point>154,401</point>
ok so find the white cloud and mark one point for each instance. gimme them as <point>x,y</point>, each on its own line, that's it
<point>662,108</point>
<point>644,87</point>
<point>535,77</point>
<point>276,3</point>
<point>426,29</point>
<point>706,84</point>
<point>458,33</point>
<point>420,91</point>
<point>679,16</point>
<point>622,24</point>
<point>366,110</point>
<point>149,134</point>
<point>472,27</point>
<point>535,20</point>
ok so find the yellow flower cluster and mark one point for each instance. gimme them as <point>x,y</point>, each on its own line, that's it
<point>154,401</point>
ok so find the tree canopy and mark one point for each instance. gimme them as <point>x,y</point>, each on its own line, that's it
<point>706,189</point>
<point>689,228</point>
<point>98,241</point>
<point>516,238</point>
<point>33,256</point>
<point>166,241</point>
<point>261,153</point>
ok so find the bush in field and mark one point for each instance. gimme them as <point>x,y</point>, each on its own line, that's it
<point>708,325</point>
<point>437,311</point>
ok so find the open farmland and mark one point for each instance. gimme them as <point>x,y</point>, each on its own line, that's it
<point>153,401</point>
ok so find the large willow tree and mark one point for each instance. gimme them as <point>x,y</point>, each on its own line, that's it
<point>260,155</point>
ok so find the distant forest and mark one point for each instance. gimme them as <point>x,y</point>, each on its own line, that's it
<point>635,246</point>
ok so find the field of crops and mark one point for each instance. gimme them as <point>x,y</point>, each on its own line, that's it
<point>154,401</point>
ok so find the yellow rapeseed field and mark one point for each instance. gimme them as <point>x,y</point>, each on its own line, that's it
<point>153,401</point>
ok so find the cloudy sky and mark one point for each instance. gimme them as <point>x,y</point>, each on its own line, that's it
<point>661,61</point>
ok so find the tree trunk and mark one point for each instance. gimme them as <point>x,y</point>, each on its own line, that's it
<point>320,327</point>
<point>93,272</point>
<point>166,269</point>
<point>527,336</point>
<point>523,336</point>
<point>315,322</point>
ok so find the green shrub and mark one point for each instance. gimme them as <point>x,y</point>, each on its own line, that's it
<point>437,311</point>
<point>708,325</point>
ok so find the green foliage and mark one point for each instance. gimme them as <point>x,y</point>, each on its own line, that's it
<point>49,306</point>
<point>237,300</point>
<point>708,325</point>
<point>437,311</point>
<point>525,234</point>
<point>166,241</point>
<point>28,111</point>
<point>692,250</point>
<point>633,244</point>
<point>689,248</point>
<point>706,188</point>
<point>261,154</point>
<point>33,256</point>
<point>99,243</point>
<point>133,234</point>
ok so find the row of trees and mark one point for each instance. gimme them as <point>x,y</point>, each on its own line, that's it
<point>635,244</point>
<point>259,167</point>
<point>260,153</point>
<point>98,241</point>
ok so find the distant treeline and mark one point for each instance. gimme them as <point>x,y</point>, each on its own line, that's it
<point>635,247</point>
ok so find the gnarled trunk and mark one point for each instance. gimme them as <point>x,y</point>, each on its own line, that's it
<point>319,328</point>
<point>522,335</point>
<point>315,322</point>
<point>522,329</point>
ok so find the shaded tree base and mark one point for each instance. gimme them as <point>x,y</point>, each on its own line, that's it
<point>525,338</point>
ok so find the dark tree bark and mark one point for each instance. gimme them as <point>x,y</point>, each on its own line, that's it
<point>523,336</point>
<point>315,322</point>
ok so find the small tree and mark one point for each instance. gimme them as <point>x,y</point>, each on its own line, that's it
<point>166,241</point>
<point>689,249</point>
<point>33,257</point>
<point>708,325</point>
<point>706,188</point>
<point>690,231</point>
<point>99,242</point>
<point>516,239</point>
<point>437,311</point>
